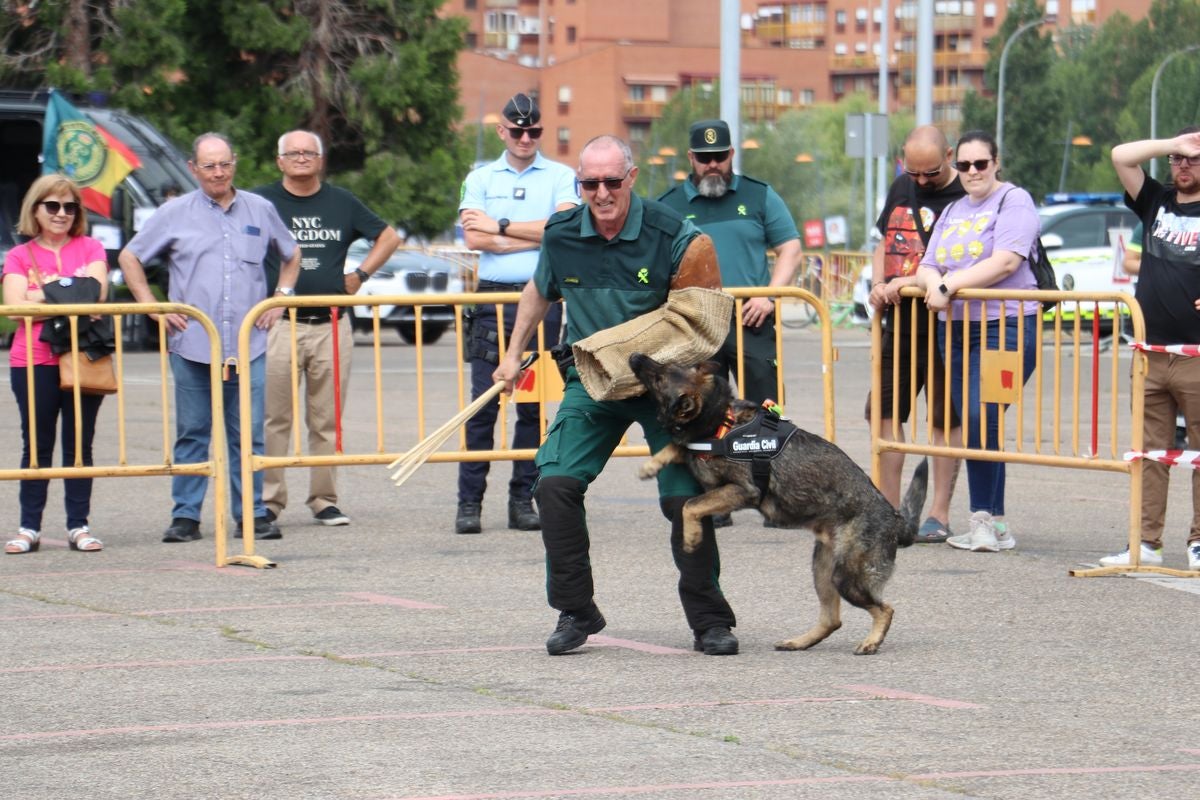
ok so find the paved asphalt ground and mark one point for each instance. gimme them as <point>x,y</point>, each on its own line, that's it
<point>394,659</point>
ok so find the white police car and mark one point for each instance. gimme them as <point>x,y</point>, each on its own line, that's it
<point>1085,236</point>
<point>407,272</point>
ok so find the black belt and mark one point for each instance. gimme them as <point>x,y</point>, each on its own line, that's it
<point>313,319</point>
<point>496,286</point>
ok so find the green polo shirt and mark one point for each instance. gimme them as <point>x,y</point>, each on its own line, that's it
<point>609,281</point>
<point>744,223</point>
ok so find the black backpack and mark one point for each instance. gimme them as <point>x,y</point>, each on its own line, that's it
<point>1039,262</point>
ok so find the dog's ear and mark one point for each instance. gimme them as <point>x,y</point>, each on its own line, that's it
<point>709,368</point>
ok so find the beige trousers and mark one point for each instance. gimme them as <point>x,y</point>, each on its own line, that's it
<point>1172,386</point>
<point>314,359</point>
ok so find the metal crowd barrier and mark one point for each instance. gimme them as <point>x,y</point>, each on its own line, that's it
<point>1060,417</point>
<point>216,468</point>
<point>544,393</point>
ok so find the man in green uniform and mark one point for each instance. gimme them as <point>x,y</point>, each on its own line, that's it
<point>745,218</point>
<point>611,259</point>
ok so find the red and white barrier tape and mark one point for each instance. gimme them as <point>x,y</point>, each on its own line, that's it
<point>1174,349</point>
<point>1174,458</point>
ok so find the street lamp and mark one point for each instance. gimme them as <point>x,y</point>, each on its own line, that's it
<point>1077,141</point>
<point>1154,101</point>
<point>1000,87</point>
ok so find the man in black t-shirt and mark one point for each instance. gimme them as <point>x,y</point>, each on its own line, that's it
<point>1168,290</point>
<point>914,202</point>
<point>324,220</point>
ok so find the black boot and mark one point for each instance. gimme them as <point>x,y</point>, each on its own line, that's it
<point>467,520</point>
<point>521,516</point>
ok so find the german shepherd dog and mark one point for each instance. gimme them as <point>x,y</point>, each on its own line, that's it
<point>811,484</point>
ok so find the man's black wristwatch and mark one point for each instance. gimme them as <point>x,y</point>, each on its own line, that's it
<point>503,223</point>
<point>363,275</point>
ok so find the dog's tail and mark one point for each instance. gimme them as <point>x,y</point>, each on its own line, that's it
<point>913,502</point>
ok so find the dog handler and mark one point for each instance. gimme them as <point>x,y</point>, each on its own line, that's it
<point>612,260</point>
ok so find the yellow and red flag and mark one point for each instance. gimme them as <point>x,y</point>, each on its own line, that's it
<point>75,146</point>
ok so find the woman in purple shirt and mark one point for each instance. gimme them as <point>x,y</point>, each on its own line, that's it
<point>982,241</point>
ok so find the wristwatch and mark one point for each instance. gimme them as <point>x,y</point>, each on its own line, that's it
<point>362,274</point>
<point>942,288</point>
<point>286,291</point>
<point>503,222</point>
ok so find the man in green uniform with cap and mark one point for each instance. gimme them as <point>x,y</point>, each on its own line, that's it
<point>612,259</point>
<point>745,218</point>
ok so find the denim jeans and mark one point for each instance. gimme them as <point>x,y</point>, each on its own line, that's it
<point>52,403</point>
<point>193,433</point>
<point>985,479</point>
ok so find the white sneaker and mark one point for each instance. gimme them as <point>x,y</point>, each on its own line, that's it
<point>1148,556</point>
<point>1194,555</point>
<point>1004,538</point>
<point>982,536</point>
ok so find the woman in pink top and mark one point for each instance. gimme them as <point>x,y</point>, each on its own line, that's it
<point>53,219</point>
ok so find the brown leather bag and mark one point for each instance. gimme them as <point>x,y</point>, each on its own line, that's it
<point>96,376</point>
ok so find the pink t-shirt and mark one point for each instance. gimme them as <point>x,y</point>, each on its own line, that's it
<point>70,262</point>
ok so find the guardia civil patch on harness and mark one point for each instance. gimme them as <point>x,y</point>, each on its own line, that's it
<point>762,438</point>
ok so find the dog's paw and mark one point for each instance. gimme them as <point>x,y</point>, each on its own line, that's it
<point>649,470</point>
<point>866,648</point>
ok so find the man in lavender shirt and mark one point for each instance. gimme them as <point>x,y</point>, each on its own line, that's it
<point>215,239</point>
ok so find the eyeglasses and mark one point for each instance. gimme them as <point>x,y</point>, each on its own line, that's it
<point>1177,160</point>
<point>708,158</point>
<point>224,165</point>
<point>517,133</point>
<point>294,155</point>
<point>53,207</point>
<point>612,184</point>
<point>933,173</point>
<point>980,164</point>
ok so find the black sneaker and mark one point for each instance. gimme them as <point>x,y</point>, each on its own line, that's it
<point>722,520</point>
<point>717,641</point>
<point>330,516</point>
<point>182,529</point>
<point>467,520</point>
<point>573,629</point>
<point>271,515</point>
<point>521,516</point>
<point>263,529</point>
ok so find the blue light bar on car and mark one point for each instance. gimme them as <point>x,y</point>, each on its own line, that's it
<point>1085,198</point>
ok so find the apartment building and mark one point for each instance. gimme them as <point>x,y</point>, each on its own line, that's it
<point>609,66</point>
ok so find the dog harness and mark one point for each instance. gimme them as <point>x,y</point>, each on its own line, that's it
<point>757,441</point>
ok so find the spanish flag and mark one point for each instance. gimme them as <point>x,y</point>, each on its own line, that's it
<point>86,153</point>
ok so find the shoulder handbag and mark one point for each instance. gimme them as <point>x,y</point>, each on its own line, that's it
<point>96,374</point>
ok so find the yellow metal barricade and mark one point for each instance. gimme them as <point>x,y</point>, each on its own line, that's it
<point>1051,425</point>
<point>217,467</point>
<point>546,387</point>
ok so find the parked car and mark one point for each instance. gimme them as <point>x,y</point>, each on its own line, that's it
<point>407,272</point>
<point>1081,234</point>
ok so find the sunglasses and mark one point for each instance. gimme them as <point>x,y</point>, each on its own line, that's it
<point>933,173</point>
<point>708,158</point>
<point>53,207</point>
<point>1177,160</point>
<point>612,184</point>
<point>980,164</point>
<point>517,133</point>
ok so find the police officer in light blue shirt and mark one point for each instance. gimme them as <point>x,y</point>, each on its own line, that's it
<point>504,207</point>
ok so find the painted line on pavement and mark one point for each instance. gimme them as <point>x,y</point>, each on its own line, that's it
<point>363,599</point>
<point>169,566</point>
<point>641,647</point>
<point>897,694</point>
<point>182,727</point>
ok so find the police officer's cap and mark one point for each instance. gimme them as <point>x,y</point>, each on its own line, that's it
<point>522,111</point>
<point>709,136</point>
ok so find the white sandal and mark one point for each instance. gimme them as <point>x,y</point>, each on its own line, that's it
<point>81,539</point>
<point>27,541</point>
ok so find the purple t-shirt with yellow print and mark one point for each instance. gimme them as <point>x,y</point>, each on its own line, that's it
<point>968,232</point>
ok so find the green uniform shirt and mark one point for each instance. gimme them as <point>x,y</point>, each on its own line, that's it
<point>607,282</point>
<point>744,223</point>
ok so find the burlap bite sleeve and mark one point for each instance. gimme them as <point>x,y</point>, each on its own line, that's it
<point>689,328</point>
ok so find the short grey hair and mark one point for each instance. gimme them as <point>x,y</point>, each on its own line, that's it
<point>320,145</point>
<point>205,137</point>
<point>613,141</point>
